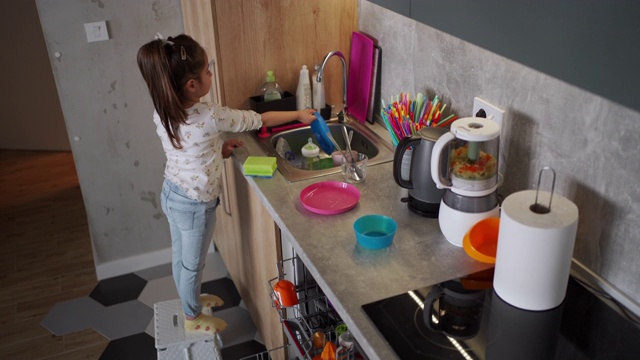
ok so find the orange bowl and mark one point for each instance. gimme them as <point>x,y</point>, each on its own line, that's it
<point>481,241</point>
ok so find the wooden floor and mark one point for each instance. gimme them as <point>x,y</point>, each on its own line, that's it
<point>45,255</point>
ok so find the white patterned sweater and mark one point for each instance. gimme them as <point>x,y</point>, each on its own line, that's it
<point>197,167</point>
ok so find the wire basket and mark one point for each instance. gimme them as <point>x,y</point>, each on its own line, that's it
<point>313,315</point>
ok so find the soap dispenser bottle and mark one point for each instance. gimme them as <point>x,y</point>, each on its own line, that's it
<point>303,95</point>
<point>270,90</point>
<point>318,90</point>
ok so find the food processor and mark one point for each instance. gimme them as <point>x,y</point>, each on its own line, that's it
<point>471,175</point>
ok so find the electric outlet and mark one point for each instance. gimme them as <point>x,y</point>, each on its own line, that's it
<point>96,31</point>
<point>493,112</point>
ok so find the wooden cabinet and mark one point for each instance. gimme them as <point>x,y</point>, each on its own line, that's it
<point>249,242</point>
<point>249,37</point>
<point>246,38</point>
<point>227,230</point>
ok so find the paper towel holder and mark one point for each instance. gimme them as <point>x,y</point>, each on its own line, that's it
<point>539,208</point>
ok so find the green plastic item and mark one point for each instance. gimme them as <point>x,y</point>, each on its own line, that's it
<point>260,166</point>
<point>326,163</point>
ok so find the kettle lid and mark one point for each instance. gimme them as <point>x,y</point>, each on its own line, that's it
<point>431,133</point>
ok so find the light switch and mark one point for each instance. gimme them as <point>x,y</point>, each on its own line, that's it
<point>96,31</point>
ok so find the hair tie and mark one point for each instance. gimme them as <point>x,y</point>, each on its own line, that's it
<point>159,36</point>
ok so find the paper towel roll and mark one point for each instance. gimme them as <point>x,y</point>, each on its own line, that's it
<point>534,253</point>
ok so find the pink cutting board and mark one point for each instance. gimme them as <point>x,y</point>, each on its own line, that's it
<point>359,78</point>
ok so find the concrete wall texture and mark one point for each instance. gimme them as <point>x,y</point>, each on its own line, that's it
<point>108,115</point>
<point>591,142</point>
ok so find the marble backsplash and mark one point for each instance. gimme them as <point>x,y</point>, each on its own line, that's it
<point>592,143</point>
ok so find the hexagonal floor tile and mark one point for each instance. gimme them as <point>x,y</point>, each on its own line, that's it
<point>125,319</point>
<point>225,289</point>
<point>118,289</point>
<point>240,327</point>
<point>155,272</point>
<point>134,347</point>
<point>71,316</point>
<point>243,350</point>
<point>158,290</point>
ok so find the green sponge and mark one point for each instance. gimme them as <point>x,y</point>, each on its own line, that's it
<point>260,166</point>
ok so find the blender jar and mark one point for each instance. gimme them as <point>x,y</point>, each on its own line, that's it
<point>473,157</point>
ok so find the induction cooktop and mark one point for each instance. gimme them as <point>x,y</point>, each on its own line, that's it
<point>465,319</point>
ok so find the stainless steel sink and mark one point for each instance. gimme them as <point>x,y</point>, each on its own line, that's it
<point>364,141</point>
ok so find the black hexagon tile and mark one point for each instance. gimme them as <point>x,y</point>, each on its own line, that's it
<point>118,289</point>
<point>225,289</point>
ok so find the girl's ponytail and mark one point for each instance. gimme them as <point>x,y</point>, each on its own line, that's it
<point>166,66</point>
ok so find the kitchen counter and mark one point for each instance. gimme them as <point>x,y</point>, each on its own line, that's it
<point>350,275</point>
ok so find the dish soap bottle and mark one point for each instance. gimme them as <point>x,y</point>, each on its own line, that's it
<point>303,95</point>
<point>271,90</point>
<point>318,91</point>
<point>310,152</point>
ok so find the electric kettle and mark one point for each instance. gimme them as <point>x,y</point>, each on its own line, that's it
<point>424,197</point>
<point>470,176</point>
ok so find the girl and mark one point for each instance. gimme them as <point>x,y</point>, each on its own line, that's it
<point>177,74</point>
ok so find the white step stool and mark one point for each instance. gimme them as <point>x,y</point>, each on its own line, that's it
<point>173,343</point>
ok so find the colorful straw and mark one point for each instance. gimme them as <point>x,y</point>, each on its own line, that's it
<point>404,117</point>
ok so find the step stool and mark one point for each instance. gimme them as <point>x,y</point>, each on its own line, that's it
<point>174,343</point>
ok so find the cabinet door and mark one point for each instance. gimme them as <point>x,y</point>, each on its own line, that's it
<point>227,227</point>
<point>260,239</point>
<point>249,243</point>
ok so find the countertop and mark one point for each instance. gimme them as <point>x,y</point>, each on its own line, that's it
<point>350,275</point>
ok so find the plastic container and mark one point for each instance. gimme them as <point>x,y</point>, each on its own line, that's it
<point>310,152</point>
<point>375,231</point>
<point>270,90</point>
<point>481,241</point>
<point>283,149</point>
<point>303,94</point>
<point>319,101</point>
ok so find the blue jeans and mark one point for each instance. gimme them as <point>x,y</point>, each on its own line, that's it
<point>191,223</point>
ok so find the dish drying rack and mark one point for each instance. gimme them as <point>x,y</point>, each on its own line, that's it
<point>313,313</point>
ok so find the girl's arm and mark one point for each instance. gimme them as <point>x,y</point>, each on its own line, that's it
<point>273,118</point>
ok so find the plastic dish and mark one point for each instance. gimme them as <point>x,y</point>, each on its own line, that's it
<point>330,197</point>
<point>322,134</point>
<point>286,293</point>
<point>375,231</point>
<point>481,241</point>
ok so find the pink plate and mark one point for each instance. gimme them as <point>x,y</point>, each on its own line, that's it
<point>330,197</point>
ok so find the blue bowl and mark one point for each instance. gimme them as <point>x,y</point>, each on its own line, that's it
<point>375,231</point>
<point>321,132</point>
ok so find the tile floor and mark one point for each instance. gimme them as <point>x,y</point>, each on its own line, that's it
<point>121,309</point>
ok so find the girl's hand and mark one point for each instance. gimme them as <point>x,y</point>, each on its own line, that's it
<point>229,145</point>
<point>306,116</point>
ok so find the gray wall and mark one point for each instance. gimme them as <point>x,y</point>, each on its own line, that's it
<point>108,110</point>
<point>592,143</point>
<point>31,115</point>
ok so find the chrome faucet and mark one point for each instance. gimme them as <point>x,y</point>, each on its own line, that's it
<point>344,79</point>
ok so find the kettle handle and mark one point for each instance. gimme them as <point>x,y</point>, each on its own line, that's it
<point>397,160</point>
<point>436,292</point>
<point>436,157</point>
